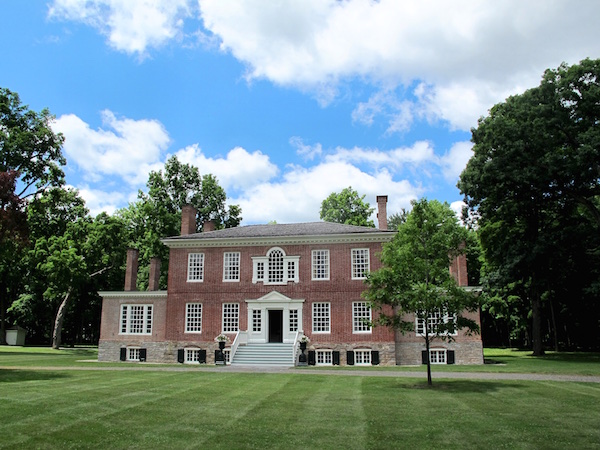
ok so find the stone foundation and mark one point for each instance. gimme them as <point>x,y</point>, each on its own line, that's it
<point>409,353</point>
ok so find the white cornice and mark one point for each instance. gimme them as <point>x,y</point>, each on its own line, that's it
<point>132,294</point>
<point>280,240</point>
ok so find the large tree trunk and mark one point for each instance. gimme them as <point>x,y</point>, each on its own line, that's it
<point>536,328</point>
<point>429,381</point>
<point>58,322</point>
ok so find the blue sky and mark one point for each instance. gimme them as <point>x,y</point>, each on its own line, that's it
<point>284,101</point>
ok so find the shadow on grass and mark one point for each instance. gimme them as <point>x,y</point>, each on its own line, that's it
<point>463,386</point>
<point>15,376</point>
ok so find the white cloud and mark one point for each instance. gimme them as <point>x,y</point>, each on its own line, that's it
<point>420,153</point>
<point>308,152</point>
<point>238,170</point>
<point>98,201</point>
<point>469,54</point>
<point>455,160</point>
<point>130,25</point>
<point>124,147</point>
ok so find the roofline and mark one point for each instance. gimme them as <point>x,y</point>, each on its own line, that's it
<point>132,294</point>
<point>180,242</point>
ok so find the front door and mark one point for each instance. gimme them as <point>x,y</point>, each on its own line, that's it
<point>275,325</point>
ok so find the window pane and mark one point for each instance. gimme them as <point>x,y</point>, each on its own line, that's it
<point>231,266</point>
<point>361,315</point>
<point>193,318</point>
<point>321,317</point>
<point>320,264</point>
<point>231,313</point>
<point>195,267</point>
<point>360,262</point>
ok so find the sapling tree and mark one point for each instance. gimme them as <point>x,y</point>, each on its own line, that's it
<point>415,279</point>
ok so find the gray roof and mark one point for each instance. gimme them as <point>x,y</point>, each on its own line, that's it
<point>284,230</point>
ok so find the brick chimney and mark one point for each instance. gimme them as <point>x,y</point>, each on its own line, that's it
<point>209,225</point>
<point>131,270</point>
<point>458,268</point>
<point>153,281</point>
<point>382,211</point>
<point>188,220</point>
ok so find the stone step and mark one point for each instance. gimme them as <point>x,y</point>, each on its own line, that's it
<point>264,354</point>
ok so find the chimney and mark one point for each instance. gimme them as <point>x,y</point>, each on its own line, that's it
<point>188,220</point>
<point>382,211</point>
<point>154,279</point>
<point>131,270</point>
<point>458,268</point>
<point>209,225</point>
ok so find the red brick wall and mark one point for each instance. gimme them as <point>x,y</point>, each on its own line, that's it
<point>340,290</point>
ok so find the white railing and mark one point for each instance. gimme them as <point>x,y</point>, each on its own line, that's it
<point>241,337</point>
<point>297,346</point>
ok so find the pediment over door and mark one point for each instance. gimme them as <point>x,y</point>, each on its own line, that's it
<point>275,297</point>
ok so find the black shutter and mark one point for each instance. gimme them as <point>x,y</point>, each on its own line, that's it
<point>142,354</point>
<point>312,360</point>
<point>202,357</point>
<point>216,355</point>
<point>123,355</point>
<point>424,357</point>
<point>336,358</point>
<point>180,355</point>
<point>450,356</point>
<point>350,357</point>
<point>374,357</point>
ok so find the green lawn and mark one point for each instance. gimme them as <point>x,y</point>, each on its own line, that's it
<point>201,409</point>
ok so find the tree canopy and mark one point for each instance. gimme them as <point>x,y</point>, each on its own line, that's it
<point>347,207</point>
<point>533,184</point>
<point>415,278</point>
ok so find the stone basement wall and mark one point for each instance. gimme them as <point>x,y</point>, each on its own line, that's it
<point>409,353</point>
<point>157,352</point>
<point>387,352</point>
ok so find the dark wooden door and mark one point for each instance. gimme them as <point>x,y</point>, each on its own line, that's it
<point>275,325</point>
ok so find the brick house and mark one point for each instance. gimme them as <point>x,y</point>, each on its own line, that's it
<point>264,286</point>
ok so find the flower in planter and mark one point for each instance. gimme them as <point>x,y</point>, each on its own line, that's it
<point>222,338</point>
<point>304,339</point>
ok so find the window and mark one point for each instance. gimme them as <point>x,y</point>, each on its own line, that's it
<point>231,266</point>
<point>324,357</point>
<point>195,267</point>
<point>136,319</point>
<point>360,263</point>
<point>437,356</point>
<point>231,316</point>
<point>321,317</point>
<point>362,357</point>
<point>256,320</point>
<point>434,320</point>
<point>320,264</point>
<point>133,353</point>
<point>361,316</point>
<point>275,267</point>
<point>293,320</point>
<point>193,318</point>
<point>227,355</point>
<point>192,355</point>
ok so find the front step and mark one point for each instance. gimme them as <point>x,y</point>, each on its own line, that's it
<point>270,354</point>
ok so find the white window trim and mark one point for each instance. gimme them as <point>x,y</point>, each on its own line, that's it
<point>200,278</point>
<point>312,266</point>
<point>313,317</point>
<point>363,350</point>
<point>187,318</point>
<point>129,350</point>
<point>148,319</point>
<point>368,269</point>
<point>444,318</point>
<point>323,351</point>
<point>441,351</point>
<point>265,261</point>
<point>223,318</point>
<point>186,360</point>
<point>355,319</point>
<point>239,264</point>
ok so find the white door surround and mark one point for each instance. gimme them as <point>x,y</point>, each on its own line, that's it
<point>258,316</point>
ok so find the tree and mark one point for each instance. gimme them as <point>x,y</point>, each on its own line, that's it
<point>347,207</point>
<point>415,277</point>
<point>536,167</point>
<point>157,214</point>
<point>30,162</point>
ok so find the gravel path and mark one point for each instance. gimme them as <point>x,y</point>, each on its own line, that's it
<point>351,373</point>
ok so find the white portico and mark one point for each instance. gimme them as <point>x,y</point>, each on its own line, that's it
<point>274,318</point>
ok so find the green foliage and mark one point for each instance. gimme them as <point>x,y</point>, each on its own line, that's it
<point>533,184</point>
<point>415,277</point>
<point>347,207</point>
<point>157,214</point>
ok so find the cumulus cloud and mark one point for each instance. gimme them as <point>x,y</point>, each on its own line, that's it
<point>308,152</point>
<point>455,160</point>
<point>124,147</point>
<point>97,200</point>
<point>238,170</point>
<point>131,26</point>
